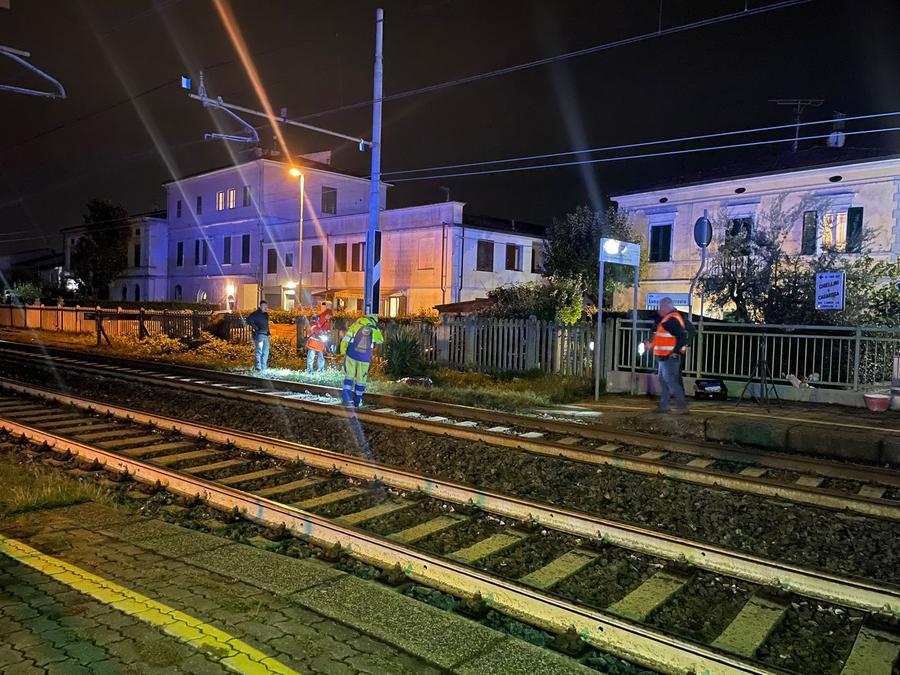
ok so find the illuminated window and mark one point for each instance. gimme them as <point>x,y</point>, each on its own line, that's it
<point>358,257</point>
<point>288,259</point>
<point>220,200</point>
<point>837,230</point>
<point>232,198</point>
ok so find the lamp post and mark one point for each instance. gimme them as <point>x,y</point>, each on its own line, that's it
<point>623,253</point>
<point>296,173</point>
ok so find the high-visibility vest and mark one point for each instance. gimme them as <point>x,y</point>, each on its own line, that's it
<point>663,341</point>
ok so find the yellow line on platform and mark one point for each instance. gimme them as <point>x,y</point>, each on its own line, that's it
<point>224,648</point>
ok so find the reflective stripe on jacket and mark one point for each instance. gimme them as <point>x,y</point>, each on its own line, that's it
<point>663,341</point>
<point>360,339</point>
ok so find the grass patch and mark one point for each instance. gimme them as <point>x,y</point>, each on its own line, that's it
<point>27,487</point>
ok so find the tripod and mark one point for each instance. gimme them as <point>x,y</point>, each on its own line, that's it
<point>762,373</point>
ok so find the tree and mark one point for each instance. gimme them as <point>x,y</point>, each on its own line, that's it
<point>101,254</point>
<point>555,299</point>
<point>753,278</point>
<point>573,248</point>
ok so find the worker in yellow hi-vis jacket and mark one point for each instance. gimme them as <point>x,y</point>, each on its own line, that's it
<point>357,347</point>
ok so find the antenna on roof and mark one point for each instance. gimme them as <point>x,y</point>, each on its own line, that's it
<point>800,104</point>
<point>251,135</point>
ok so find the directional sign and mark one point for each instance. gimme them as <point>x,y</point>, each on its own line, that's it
<point>830,291</point>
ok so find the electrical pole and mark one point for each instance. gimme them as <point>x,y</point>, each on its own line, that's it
<point>372,283</point>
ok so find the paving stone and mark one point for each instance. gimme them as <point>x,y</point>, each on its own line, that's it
<point>423,631</point>
<point>67,668</point>
<point>24,668</point>
<point>107,667</point>
<point>515,657</point>
<point>22,639</point>
<point>200,665</point>
<point>260,630</point>
<point>276,573</point>
<point>9,656</point>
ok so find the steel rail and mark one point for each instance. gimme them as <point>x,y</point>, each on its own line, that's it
<point>593,431</point>
<point>858,593</point>
<point>766,487</point>
<point>608,632</point>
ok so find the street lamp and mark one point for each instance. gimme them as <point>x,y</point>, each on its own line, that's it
<point>296,173</point>
<point>623,253</point>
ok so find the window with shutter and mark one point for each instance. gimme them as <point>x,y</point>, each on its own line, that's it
<point>660,243</point>
<point>179,254</point>
<point>226,251</point>
<point>245,248</point>
<point>316,259</point>
<point>271,261</point>
<point>485,258</point>
<point>854,229</point>
<point>358,257</point>
<point>810,233</point>
<point>340,257</point>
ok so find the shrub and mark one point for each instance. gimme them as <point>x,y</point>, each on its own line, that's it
<point>403,353</point>
<point>555,299</point>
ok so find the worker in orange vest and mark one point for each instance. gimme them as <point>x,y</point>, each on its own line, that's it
<point>317,340</point>
<point>668,342</point>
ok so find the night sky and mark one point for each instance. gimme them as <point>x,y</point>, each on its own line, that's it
<point>127,126</point>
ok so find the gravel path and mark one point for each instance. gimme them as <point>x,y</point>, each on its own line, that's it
<point>844,544</point>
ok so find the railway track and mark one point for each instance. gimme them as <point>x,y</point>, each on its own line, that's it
<point>632,592</point>
<point>867,490</point>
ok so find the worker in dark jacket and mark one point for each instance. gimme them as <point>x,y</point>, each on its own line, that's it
<point>258,321</point>
<point>668,342</point>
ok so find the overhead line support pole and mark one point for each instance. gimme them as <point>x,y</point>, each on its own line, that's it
<point>372,282</point>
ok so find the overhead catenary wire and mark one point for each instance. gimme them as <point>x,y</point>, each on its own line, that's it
<point>619,158</point>
<point>562,57</point>
<point>609,148</point>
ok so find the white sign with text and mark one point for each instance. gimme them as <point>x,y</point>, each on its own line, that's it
<point>830,291</point>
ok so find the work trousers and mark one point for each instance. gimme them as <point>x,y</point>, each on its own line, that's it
<point>670,382</point>
<point>355,375</point>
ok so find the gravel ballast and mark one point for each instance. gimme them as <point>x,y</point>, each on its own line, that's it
<point>840,543</point>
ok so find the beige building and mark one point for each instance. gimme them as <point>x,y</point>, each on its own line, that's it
<point>848,198</point>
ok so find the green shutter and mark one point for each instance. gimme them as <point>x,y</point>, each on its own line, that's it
<point>854,229</point>
<point>810,231</point>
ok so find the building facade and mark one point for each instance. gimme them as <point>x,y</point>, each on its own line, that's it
<point>848,204</point>
<point>231,236</point>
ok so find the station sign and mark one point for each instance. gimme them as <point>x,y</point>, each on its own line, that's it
<point>830,291</point>
<point>680,300</point>
<point>621,252</point>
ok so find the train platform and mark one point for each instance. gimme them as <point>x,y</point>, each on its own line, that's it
<point>101,589</point>
<point>824,430</point>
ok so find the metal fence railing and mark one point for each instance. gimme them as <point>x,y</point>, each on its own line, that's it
<point>831,356</point>
<point>105,321</point>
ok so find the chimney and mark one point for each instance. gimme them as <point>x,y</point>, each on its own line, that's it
<point>837,136</point>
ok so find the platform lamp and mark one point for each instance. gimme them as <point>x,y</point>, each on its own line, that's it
<point>623,253</point>
<point>296,173</point>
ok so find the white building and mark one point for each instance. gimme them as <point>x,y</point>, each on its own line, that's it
<point>231,235</point>
<point>859,198</point>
